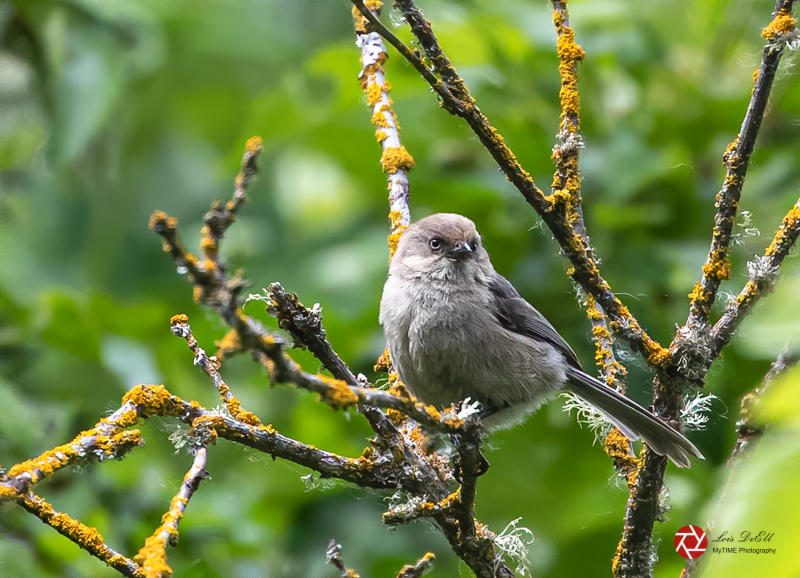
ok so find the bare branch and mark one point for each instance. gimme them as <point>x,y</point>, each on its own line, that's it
<point>334,555</point>
<point>746,429</point>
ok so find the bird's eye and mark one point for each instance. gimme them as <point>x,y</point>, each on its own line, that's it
<point>435,244</point>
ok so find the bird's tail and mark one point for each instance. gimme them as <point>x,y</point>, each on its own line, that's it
<point>632,419</point>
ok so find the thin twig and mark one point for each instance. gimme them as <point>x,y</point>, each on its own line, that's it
<point>763,273</point>
<point>419,568</point>
<point>737,161</point>
<point>84,536</point>
<point>747,429</point>
<point>153,555</point>
<point>748,432</point>
<point>334,556</point>
<point>395,159</point>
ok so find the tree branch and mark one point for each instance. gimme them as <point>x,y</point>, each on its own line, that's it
<point>691,349</point>
<point>152,557</point>
<point>84,536</point>
<point>737,160</point>
<point>763,272</point>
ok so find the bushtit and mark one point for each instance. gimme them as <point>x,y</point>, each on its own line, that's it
<point>456,329</point>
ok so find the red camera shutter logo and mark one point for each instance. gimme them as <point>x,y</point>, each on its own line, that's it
<point>691,541</point>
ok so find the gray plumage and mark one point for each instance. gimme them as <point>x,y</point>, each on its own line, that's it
<point>456,329</point>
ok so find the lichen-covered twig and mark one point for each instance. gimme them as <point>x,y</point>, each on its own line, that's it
<point>84,536</point>
<point>179,324</point>
<point>763,271</point>
<point>153,555</point>
<point>567,178</point>
<point>305,327</point>
<point>419,568</point>
<point>693,349</point>
<point>395,160</point>
<point>108,439</point>
<point>737,161</point>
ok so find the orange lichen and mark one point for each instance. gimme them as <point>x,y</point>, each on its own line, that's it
<point>198,294</point>
<point>209,246</point>
<point>394,159</point>
<point>161,218</point>
<point>730,157</point>
<point>783,24</point>
<point>618,447</point>
<point>244,416</point>
<point>789,226</point>
<point>153,400</point>
<point>384,363</point>
<point>379,116</point>
<point>398,227</point>
<point>229,344</point>
<point>7,493</point>
<point>338,395</point>
<point>698,293</point>
<point>153,557</point>
<point>84,536</point>
<point>254,145</point>
<point>451,499</point>
<point>657,356</point>
<point>179,318</point>
<point>374,93</point>
<point>718,267</point>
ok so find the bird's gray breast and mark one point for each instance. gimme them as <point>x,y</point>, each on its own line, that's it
<point>447,344</point>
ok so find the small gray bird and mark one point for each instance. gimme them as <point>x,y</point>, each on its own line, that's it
<point>456,329</point>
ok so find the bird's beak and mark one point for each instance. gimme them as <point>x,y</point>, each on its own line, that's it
<point>460,251</point>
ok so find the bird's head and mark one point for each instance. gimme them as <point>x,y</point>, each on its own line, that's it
<point>442,245</point>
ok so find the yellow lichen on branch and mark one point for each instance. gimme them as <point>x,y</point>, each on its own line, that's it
<point>84,536</point>
<point>567,181</point>
<point>338,395</point>
<point>395,159</point>
<point>783,24</point>
<point>788,227</point>
<point>398,227</point>
<point>618,447</point>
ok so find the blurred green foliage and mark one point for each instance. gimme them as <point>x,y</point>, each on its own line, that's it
<point>113,109</point>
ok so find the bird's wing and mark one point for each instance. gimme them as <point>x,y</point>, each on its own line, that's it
<point>519,316</point>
